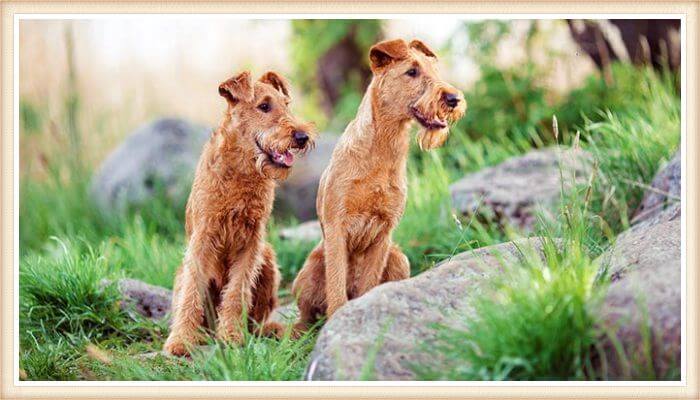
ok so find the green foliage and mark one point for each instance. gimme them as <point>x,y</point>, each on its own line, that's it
<point>61,205</point>
<point>506,104</point>
<point>30,118</point>
<point>67,294</point>
<point>51,360</point>
<point>630,145</point>
<point>484,37</point>
<point>311,39</point>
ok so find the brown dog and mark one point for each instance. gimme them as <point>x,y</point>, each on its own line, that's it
<point>228,262</point>
<point>362,193</point>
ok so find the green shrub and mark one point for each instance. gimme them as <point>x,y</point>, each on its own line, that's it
<point>65,294</point>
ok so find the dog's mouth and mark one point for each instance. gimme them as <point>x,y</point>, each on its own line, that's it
<point>283,159</point>
<point>429,124</point>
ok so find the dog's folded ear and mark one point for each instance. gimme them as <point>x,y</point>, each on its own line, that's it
<point>384,53</point>
<point>422,47</point>
<point>238,88</point>
<point>277,81</point>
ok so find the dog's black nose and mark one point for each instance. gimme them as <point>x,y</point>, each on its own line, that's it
<point>300,138</point>
<point>451,99</point>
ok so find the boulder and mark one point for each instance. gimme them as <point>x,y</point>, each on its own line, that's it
<point>643,301</point>
<point>661,202</point>
<point>154,302</point>
<point>515,191</point>
<point>309,231</point>
<point>297,195</point>
<point>285,314</point>
<point>390,323</point>
<point>147,300</point>
<point>159,156</point>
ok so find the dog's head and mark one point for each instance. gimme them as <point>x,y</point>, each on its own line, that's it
<point>259,112</point>
<point>408,83</point>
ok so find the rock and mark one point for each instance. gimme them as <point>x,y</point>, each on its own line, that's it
<point>153,301</point>
<point>661,202</point>
<point>147,300</point>
<point>309,231</point>
<point>297,195</point>
<point>395,318</point>
<point>644,295</point>
<point>161,155</point>
<point>285,314</point>
<point>514,191</point>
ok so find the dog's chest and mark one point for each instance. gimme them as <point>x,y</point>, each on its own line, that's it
<point>236,213</point>
<point>384,197</point>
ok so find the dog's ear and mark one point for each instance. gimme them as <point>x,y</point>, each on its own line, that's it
<point>422,47</point>
<point>238,88</point>
<point>384,53</point>
<point>277,81</point>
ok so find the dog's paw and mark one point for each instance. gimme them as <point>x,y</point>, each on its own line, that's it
<point>272,329</point>
<point>299,329</point>
<point>176,347</point>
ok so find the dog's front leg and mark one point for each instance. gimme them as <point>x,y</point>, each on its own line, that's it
<point>188,313</point>
<point>372,264</point>
<point>237,294</point>
<point>336,250</point>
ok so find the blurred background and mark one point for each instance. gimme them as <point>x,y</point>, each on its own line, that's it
<point>121,72</point>
<point>123,105</point>
<point>127,70</point>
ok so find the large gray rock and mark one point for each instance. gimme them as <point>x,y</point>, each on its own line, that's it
<point>643,300</point>
<point>154,302</point>
<point>161,155</point>
<point>309,231</point>
<point>515,191</point>
<point>147,300</point>
<point>285,314</point>
<point>396,319</point>
<point>661,202</point>
<point>297,195</point>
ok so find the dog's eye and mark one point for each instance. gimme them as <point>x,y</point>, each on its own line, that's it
<point>413,72</point>
<point>264,107</point>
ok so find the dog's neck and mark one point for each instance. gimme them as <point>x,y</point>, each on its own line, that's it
<point>377,132</point>
<point>233,157</point>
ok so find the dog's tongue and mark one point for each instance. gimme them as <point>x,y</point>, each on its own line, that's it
<point>285,158</point>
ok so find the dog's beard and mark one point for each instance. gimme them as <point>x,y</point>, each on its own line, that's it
<point>432,137</point>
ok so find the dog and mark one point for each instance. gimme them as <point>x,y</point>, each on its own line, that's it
<point>228,265</point>
<point>362,193</point>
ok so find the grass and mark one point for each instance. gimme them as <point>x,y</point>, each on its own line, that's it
<point>536,322</point>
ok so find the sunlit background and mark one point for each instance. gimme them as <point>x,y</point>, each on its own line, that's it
<point>128,70</point>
